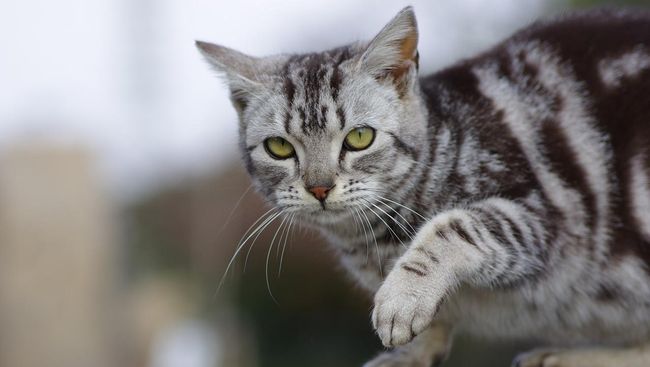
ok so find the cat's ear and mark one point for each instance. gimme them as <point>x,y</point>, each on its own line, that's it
<point>393,52</point>
<point>241,71</point>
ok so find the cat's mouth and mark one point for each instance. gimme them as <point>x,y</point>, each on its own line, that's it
<point>327,208</point>
<point>327,215</point>
<point>324,208</point>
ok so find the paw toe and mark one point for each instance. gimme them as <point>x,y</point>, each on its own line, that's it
<point>401,333</point>
<point>420,322</point>
<point>394,324</point>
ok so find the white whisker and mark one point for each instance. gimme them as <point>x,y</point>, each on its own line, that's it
<point>412,230</point>
<point>284,246</point>
<point>376,192</point>
<point>365,234</point>
<point>232,211</point>
<point>386,224</point>
<point>259,233</point>
<point>268,256</point>
<point>381,273</point>
<point>265,219</point>
<point>408,233</point>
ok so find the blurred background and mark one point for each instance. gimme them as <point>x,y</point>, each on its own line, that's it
<point>122,197</point>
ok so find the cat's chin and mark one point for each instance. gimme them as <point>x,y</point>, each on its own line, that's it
<point>327,215</point>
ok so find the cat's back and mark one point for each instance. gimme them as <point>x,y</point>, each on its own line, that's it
<point>569,101</point>
<point>605,50</point>
<point>598,58</point>
<point>564,105</point>
<point>608,52</point>
<point>594,34</point>
<point>577,79</point>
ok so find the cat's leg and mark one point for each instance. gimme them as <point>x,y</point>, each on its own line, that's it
<point>596,357</point>
<point>491,243</point>
<point>429,349</point>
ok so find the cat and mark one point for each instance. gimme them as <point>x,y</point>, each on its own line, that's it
<point>506,196</point>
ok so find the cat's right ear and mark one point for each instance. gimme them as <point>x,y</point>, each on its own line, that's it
<point>240,70</point>
<point>393,52</point>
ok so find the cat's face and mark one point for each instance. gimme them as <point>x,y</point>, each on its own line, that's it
<point>327,132</point>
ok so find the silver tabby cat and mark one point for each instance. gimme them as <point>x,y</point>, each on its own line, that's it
<point>506,196</point>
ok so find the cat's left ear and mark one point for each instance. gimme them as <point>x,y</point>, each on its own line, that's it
<point>241,71</point>
<point>393,52</point>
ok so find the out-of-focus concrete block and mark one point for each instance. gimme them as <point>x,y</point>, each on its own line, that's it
<point>57,260</point>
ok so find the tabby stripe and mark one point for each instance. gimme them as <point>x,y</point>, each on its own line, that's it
<point>433,134</point>
<point>413,270</point>
<point>314,73</point>
<point>289,90</point>
<point>582,137</point>
<point>335,83</point>
<point>402,181</point>
<point>515,259</point>
<point>531,229</point>
<point>507,98</point>
<point>443,171</point>
<point>434,259</point>
<point>403,147</point>
<point>341,116</point>
<point>499,243</point>
<point>457,227</point>
<point>564,162</point>
<point>493,226</point>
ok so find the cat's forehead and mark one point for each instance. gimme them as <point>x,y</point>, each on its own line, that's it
<point>316,64</point>
<point>311,84</point>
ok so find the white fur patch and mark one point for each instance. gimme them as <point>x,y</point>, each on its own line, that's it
<point>640,189</point>
<point>628,65</point>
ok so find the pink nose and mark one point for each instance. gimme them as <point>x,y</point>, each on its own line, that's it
<point>319,192</point>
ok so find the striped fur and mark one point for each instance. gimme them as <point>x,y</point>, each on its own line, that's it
<point>508,195</point>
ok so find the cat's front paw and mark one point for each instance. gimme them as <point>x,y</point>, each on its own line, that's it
<point>405,304</point>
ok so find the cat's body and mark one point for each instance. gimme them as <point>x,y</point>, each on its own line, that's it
<point>571,136</point>
<point>525,173</point>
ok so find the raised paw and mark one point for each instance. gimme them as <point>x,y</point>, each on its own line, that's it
<point>405,305</point>
<point>399,318</point>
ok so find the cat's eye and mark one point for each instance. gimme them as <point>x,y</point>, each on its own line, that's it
<point>359,138</point>
<point>279,148</point>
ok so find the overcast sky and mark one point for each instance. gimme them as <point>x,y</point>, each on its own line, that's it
<point>123,77</point>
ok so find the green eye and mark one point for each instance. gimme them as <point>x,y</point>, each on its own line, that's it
<point>359,138</point>
<point>279,148</point>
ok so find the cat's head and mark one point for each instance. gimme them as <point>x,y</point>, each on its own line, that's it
<point>326,132</point>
